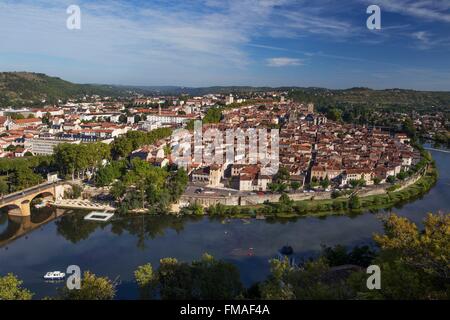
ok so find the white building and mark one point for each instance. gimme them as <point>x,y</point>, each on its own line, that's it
<point>229,99</point>
<point>45,146</point>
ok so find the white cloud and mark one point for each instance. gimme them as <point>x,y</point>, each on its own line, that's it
<point>284,62</point>
<point>422,36</point>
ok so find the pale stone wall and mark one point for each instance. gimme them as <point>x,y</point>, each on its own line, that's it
<point>207,201</point>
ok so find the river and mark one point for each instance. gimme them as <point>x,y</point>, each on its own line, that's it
<point>117,248</point>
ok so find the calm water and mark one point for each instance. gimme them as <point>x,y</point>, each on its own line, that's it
<point>119,247</point>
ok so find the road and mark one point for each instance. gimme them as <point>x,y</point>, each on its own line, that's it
<point>19,194</point>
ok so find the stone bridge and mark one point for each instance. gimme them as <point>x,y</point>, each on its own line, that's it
<point>18,203</point>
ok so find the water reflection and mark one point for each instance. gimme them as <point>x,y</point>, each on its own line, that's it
<point>14,227</point>
<point>74,228</point>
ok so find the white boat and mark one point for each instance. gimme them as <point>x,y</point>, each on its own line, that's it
<point>54,275</point>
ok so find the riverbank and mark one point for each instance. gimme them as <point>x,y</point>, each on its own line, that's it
<point>288,208</point>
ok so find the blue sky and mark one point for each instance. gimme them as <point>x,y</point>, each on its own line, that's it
<point>231,42</point>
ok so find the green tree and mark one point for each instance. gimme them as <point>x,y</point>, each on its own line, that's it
<point>4,188</point>
<point>310,282</point>
<point>213,115</point>
<point>334,114</point>
<point>11,289</point>
<point>70,158</point>
<point>376,180</point>
<point>285,200</point>
<point>428,251</point>
<point>23,177</point>
<point>146,280</point>
<point>273,187</point>
<point>354,202</point>
<point>118,190</point>
<point>414,263</point>
<point>92,288</point>
<point>206,278</point>
<point>390,179</point>
<point>107,174</point>
<point>282,175</point>
<point>275,287</point>
<point>174,279</point>
<point>295,185</point>
<point>215,279</point>
<point>325,183</point>
<point>121,147</point>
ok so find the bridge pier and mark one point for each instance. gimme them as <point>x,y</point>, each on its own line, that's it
<point>25,208</point>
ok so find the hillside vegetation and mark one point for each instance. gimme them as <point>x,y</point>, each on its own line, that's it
<point>23,89</point>
<point>397,99</point>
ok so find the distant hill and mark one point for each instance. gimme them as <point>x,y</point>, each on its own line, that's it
<point>24,88</point>
<point>173,90</point>
<point>395,99</point>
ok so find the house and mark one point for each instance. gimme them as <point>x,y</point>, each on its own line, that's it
<point>210,175</point>
<point>29,122</point>
<point>159,162</point>
<point>318,172</point>
<point>246,177</point>
<point>20,152</point>
<point>403,138</point>
<point>152,154</point>
<point>360,174</point>
<point>4,121</point>
<point>248,182</point>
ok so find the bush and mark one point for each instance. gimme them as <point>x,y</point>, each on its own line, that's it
<point>354,202</point>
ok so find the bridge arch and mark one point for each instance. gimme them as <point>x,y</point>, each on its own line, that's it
<point>44,194</point>
<point>11,209</point>
<point>23,199</point>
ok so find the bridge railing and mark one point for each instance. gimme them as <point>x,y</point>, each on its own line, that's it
<point>33,189</point>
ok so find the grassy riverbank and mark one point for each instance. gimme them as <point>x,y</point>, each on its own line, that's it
<point>287,208</point>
